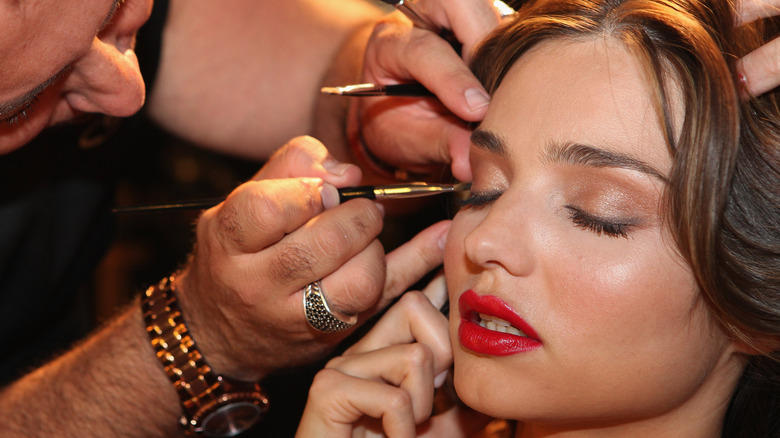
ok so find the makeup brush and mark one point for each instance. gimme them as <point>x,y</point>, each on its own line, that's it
<point>421,21</point>
<point>400,90</point>
<point>392,191</point>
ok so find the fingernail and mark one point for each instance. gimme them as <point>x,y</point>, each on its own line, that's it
<point>443,239</point>
<point>381,208</point>
<point>476,98</point>
<point>329,195</point>
<point>335,167</point>
<point>439,380</point>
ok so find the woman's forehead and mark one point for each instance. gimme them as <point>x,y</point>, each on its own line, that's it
<point>593,90</point>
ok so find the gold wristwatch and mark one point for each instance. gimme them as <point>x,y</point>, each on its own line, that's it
<point>213,405</point>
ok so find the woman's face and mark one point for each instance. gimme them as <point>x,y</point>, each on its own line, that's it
<point>60,59</point>
<point>564,239</point>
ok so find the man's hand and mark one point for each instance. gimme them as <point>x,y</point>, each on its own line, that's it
<point>420,134</point>
<point>242,292</point>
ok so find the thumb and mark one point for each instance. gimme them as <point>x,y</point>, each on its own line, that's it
<point>306,156</point>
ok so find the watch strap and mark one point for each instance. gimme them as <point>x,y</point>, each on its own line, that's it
<point>198,386</point>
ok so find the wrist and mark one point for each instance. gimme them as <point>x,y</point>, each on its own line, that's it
<point>367,160</point>
<point>211,403</point>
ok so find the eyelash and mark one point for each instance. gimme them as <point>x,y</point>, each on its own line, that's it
<point>598,225</point>
<point>580,218</point>
<point>25,112</point>
<point>478,200</point>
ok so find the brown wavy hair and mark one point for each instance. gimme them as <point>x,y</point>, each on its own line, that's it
<point>723,196</point>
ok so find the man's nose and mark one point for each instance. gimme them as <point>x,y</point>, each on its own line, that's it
<point>106,81</point>
<point>121,31</point>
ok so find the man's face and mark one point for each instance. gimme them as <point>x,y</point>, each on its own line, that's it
<point>61,59</point>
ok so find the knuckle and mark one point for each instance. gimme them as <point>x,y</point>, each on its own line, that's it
<point>335,362</point>
<point>292,262</point>
<point>394,284</point>
<point>342,234</point>
<point>422,45</point>
<point>332,241</point>
<point>366,218</point>
<point>358,293</point>
<point>267,209</point>
<point>775,63</point>
<point>418,356</point>
<point>324,381</point>
<point>299,153</point>
<point>413,301</point>
<point>391,28</point>
<point>311,204</point>
<point>398,399</point>
<point>303,144</point>
<point>229,227</point>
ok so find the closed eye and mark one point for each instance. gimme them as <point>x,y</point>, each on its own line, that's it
<point>599,225</point>
<point>479,199</point>
<point>23,112</point>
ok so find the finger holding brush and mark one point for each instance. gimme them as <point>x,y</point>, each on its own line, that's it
<point>420,135</point>
<point>471,22</point>
<point>259,251</point>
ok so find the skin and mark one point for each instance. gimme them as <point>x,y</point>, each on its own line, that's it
<point>269,221</point>
<point>89,65</point>
<point>395,129</point>
<point>265,62</point>
<point>760,69</point>
<point>628,347</point>
<point>334,43</point>
<point>111,380</point>
<point>101,76</point>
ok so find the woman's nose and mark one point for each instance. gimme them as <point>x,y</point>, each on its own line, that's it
<point>503,240</point>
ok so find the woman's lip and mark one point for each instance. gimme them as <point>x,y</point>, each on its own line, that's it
<point>481,340</point>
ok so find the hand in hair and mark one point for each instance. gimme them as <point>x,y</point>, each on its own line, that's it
<point>760,69</point>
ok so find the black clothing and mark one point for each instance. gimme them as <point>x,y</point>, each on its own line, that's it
<point>55,226</point>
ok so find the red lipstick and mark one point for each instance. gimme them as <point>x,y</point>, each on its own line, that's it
<point>490,342</point>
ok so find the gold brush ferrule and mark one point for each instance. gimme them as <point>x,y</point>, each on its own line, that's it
<point>412,190</point>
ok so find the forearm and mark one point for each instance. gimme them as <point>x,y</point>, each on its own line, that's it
<point>243,77</point>
<point>332,112</point>
<point>110,385</point>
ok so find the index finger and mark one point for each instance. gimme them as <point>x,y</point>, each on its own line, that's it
<point>398,53</point>
<point>749,10</point>
<point>260,213</point>
<point>412,319</point>
<point>761,68</point>
<point>305,156</point>
<point>469,20</point>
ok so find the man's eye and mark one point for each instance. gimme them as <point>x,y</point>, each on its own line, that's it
<point>23,112</point>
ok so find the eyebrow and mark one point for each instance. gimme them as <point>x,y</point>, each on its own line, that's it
<point>570,153</point>
<point>14,105</point>
<point>489,141</point>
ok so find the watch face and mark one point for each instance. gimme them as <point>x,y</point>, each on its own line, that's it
<point>232,419</point>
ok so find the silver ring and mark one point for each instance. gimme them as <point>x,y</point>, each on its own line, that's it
<point>318,313</point>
